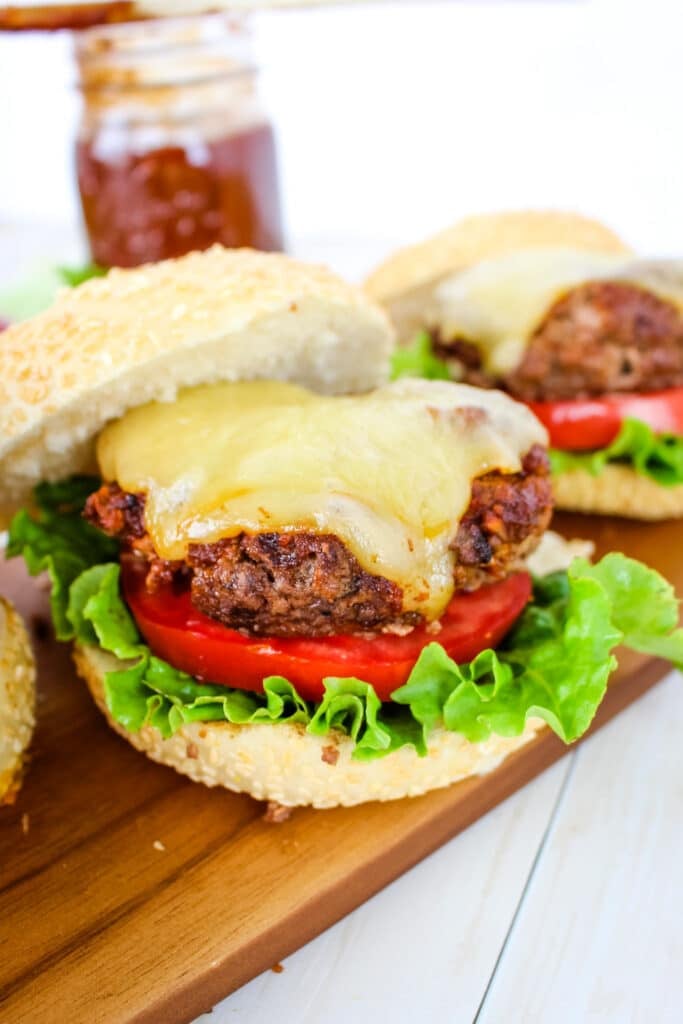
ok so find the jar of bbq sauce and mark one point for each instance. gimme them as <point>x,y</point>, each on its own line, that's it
<point>175,150</point>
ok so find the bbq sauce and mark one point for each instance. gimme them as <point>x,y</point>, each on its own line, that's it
<point>143,207</point>
<point>175,151</point>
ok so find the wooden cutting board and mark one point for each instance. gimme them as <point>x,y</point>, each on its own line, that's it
<point>130,894</point>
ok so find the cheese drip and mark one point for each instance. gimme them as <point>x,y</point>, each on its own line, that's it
<point>497,304</point>
<point>389,473</point>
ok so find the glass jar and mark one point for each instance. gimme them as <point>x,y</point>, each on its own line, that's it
<point>174,151</point>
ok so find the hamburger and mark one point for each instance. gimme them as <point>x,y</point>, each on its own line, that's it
<point>282,574</point>
<point>17,700</point>
<point>554,309</point>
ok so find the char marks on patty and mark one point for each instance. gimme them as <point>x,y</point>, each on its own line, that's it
<point>306,584</point>
<point>600,337</point>
<point>293,584</point>
<point>507,516</point>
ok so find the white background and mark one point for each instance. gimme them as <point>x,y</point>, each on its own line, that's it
<point>394,119</point>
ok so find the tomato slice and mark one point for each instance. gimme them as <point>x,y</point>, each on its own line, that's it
<point>209,651</point>
<point>586,423</point>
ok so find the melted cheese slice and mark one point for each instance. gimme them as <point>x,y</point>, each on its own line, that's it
<point>497,304</point>
<point>389,473</point>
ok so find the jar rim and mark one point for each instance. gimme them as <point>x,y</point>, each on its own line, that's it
<point>100,41</point>
<point>143,56</point>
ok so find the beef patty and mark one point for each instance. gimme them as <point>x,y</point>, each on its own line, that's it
<point>308,584</point>
<point>600,337</point>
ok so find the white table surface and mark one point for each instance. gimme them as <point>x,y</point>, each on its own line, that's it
<point>565,904</point>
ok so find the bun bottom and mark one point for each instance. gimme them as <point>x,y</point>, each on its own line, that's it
<point>17,699</point>
<point>617,491</point>
<point>285,764</point>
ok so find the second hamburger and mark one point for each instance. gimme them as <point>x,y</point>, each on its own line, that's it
<point>554,309</point>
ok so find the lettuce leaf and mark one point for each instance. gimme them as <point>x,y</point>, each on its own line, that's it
<point>31,295</point>
<point>643,605</point>
<point>99,615</point>
<point>57,540</point>
<point>353,707</point>
<point>658,456</point>
<point>554,664</point>
<point>75,275</point>
<point>151,692</point>
<point>37,291</point>
<point>418,360</point>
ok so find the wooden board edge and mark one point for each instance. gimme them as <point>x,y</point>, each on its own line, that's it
<point>184,1004</point>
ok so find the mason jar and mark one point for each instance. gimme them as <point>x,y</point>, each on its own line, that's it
<point>175,150</point>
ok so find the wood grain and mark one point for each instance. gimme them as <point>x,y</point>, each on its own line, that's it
<point>137,896</point>
<point>423,948</point>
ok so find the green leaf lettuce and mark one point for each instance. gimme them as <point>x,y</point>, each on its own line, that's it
<point>418,360</point>
<point>57,540</point>
<point>38,290</point>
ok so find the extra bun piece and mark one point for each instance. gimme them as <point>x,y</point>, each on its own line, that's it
<point>17,699</point>
<point>286,764</point>
<point>406,281</point>
<point>617,491</point>
<point>140,335</point>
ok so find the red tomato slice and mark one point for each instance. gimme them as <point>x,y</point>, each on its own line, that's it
<point>585,423</point>
<point>207,650</point>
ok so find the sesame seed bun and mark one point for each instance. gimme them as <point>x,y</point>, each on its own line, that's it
<point>17,699</point>
<point>139,335</point>
<point>288,765</point>
<point>617,491</point>
<point>405,283</point>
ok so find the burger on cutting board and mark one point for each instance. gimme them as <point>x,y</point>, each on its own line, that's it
<point>282,574</point>
<point>554,309</point>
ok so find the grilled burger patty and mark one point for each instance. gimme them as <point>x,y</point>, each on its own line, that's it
<point>308,584</point>
<point>600,337</point>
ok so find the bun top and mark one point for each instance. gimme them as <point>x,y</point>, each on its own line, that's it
<point>139,335</point>
<point>483,237</point>
<point>405,283</point>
